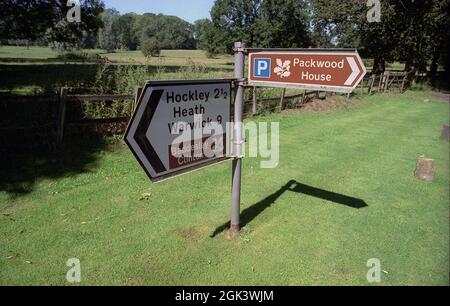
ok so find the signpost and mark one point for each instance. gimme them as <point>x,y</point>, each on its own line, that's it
<point>166,110</point>
<point>338,70</point>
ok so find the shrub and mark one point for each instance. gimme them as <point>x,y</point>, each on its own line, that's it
<point>79,56</point>
<point>73,56</point>
<point>150,47</point>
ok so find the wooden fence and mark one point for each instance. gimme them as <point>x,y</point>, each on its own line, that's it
<point>381,83</point>
<point>388,80</point>
<point>56,110</point>
<point>65,98</point>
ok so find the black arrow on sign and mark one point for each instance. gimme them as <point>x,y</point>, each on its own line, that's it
<point>140,137</point>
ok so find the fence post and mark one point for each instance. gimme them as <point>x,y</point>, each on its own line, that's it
<point>283,94</point>
<point>303,97</point>
<point>254,101</point>
<point>402,87</point>
<point>362,87</point>
<point>137,95</point>
<point>61,116</point>
<point>386,81</point>
<point>380,84</point>
<point>372,82</point>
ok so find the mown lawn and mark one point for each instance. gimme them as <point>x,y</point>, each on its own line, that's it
<point>301,226</point>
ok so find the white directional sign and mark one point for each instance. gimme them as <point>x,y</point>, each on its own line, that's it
<point>180,126</point>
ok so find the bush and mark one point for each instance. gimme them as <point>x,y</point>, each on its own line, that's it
<point>150,47</point>
<point>78,56</point>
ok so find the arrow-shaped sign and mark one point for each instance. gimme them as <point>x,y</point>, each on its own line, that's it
<point>141,138</point>
<point>355,71</point>
<point>338,70</point>
<point>172,110</point>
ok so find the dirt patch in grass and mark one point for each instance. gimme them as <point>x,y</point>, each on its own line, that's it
<point>331,104</point>
<point>192,233</point>
<point>441,96</point>
<point>342,271</point>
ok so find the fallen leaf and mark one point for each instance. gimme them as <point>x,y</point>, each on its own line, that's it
<point>29,262</point>
<point>10,257</point>
<point>145,196</point>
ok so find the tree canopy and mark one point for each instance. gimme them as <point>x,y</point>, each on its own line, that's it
<point>415,32</point>
<point>32,20</point>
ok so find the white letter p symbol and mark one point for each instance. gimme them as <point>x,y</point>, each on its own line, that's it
<point>262,65</point>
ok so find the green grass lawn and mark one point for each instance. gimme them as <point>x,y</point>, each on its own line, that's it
<point>27,53</point>
<point>39,70</point>
<point>99,212</point>
<point>42,55</point>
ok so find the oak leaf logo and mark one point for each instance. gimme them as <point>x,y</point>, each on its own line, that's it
<point>283,69</point>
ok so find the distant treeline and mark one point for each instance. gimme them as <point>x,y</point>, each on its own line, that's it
<point>415,32</point>
<point>44,22</point>
<point>129,31</point>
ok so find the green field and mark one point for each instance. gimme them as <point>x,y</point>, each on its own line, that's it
<point>343,193</point>
<point>38,70</point>
<point>167,57</point>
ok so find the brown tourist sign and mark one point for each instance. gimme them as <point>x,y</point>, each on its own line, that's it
<point>338,70</point>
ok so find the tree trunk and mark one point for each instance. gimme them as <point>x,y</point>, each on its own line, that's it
<point>434,66</point>
<point>379,65</point>
<point>410,68</point>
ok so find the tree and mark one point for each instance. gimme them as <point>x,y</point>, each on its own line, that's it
<point>201,28</point>
<point>31,20</point>
<point>424,35</point>
<point>150,47</point>
<point>234,20</point>
<point>409,31</point>
<point>171,32</point>
<point>283,24</point>
<point>108,35</point>
<point>126,36</point>
<point>258,23</point>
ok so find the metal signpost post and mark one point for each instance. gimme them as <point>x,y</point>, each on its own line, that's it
<point>239,65</point>
<point>165,105</point>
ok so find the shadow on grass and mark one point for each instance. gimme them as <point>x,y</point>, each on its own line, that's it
<point>250,213</point>
<point>21,171</point>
